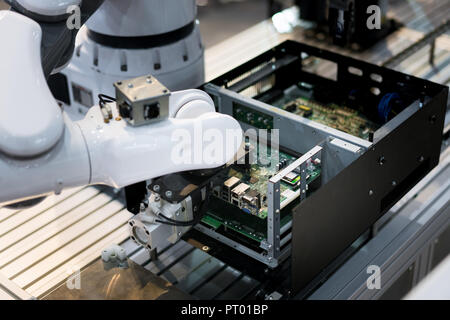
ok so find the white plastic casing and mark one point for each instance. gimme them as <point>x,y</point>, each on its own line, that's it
<point>42,150</point>
<point>96,67</point>
<point>117,154</point>
<point>48,7</point>
<point>31,120</point>
<point>121,155</point>
<point>64,166</point>
<point>133,18</point>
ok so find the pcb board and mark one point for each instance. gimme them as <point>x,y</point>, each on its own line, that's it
<point>332,115</point>
<point>241,197</point>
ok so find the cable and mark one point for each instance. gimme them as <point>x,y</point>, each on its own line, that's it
<point>103,99</point>
<point>185,223</point>
<point>181,223</point>
<point>385,107</point>
<point>197,217</point>
<point>174,222</point>
<point>171,223</point>
<point>192,222</point>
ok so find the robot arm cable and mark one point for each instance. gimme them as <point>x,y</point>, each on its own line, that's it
<point>197,218</point>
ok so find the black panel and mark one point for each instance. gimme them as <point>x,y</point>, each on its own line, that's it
<point>331,219</point>
<point>134,195</point>
<point>401,286</point>
<point>59,87</point>
<point>441,249</point>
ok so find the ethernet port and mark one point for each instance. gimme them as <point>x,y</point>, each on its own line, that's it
<point>151,111</point>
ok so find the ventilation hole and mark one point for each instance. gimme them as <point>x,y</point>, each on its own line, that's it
<point>355,71</point>
<point>375,91</point>
<point>376,77</point>
<point>123,62</point>
<point>95,56</point>
<point>78,51</point>
<point>316,65</point>
<point>156,60</point>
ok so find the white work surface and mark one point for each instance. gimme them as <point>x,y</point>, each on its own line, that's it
<point>41,246</point>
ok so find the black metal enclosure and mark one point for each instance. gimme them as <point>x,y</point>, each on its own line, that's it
<point>403,150</point>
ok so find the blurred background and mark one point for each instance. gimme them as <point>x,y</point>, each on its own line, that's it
<point>221,19</point>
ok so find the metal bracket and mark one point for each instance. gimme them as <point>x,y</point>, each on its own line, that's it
<point>273,196</point>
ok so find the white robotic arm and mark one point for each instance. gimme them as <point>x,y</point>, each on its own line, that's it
<point>48,8</point>
<point>43,151</point>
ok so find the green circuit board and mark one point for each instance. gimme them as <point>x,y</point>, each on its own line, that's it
<point>252,117</point>
<point>236,213</point>
<point>332,115</point>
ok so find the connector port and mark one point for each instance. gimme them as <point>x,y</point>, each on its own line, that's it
<point>151,111</point>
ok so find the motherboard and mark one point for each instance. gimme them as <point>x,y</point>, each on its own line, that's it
<point>241,202</point>
<point>336,116</point>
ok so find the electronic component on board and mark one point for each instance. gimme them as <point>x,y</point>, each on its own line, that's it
<point>291,107</point>
<point>251,201</point>
<point>239,190</point>
<point>292,178</point>
<point>228,186</point>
